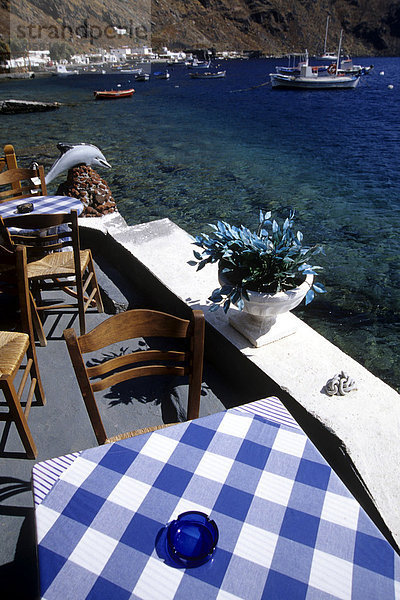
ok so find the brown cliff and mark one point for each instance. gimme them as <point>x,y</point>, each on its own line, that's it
<point>371,27</point>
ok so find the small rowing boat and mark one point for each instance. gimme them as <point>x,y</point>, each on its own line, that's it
<point>112,94</point>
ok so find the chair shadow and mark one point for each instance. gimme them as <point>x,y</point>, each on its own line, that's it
<point>6,432</point>
<point>156,390</point>
<point>55,321</point>
<point>10,486</point>
<point>19,578</point>
<point>157,393</point>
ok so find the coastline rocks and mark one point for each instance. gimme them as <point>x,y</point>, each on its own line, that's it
<point>13,107</point>
<point>87,185</point>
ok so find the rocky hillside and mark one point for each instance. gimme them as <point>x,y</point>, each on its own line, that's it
<point>371,27</point>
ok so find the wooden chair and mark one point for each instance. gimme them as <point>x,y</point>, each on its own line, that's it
<point>14,281</point>
<point>13,347</point>
<point>9,160</point>
<point>132,324</point>
<point>49,268</point>
<point>21,183</point>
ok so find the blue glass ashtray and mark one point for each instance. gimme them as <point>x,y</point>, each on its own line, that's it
<point>191,539</point>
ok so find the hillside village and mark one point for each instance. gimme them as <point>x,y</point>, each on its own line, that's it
<point>40,62</point>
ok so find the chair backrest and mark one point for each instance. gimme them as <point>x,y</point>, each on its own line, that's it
<point>133,324</point>
<point>18,183</point>
<point>42,233</point>
<point>13,271</point>
<point>9,160</point>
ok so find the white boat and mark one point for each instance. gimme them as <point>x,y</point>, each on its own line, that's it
<point>327,55</point>
<point>348,68</point>
<point>142,77</point>
<point>129,71</point>
<point>208,75</point>
<point>309,77</point>
<point>295,62</point>
<point>199,64</point>
<point>62,71</point>
<point>161,74</point>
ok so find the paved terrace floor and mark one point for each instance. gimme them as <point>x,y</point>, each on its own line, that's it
<point>62,425</point>
<point>357,433</point>
<point>146,266</point>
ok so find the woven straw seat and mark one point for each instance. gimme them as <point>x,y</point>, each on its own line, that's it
<point>52,265</point>
<point>13,347</point>
<point>184,337</point>
<point>58,264</point>
<point>129,434</point>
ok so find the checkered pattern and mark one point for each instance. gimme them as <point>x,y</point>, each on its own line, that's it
<point>43,205</point>
<point>46,473</point>
<point>288,527</point>
<point>272,409</point>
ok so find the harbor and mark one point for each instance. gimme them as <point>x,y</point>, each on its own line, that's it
<point>157,172</point>
<point>166,188</point>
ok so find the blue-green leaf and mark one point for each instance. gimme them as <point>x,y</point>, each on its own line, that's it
<point>309,296</point>
<point>320,288</point>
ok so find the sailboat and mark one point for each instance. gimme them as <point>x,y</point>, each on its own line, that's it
<point>327,55</point>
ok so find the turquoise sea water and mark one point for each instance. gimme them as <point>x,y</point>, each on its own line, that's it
<point>197,151</point>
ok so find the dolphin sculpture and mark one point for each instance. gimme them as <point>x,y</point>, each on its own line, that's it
<point>73,155</point>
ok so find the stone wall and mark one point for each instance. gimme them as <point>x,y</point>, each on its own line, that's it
<point>93,191</point>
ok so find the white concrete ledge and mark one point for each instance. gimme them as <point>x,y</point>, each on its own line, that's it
<point>366,420</point>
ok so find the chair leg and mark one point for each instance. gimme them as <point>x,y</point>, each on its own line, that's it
<point>29,314</point>
<point>35,374</point>
<point>37,323</point>
<point>95,286</point>
<point>17,415</point>
<point>82,318</point>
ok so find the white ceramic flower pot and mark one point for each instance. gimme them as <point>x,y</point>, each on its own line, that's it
<point>270,305</point>
<point>259,321</point>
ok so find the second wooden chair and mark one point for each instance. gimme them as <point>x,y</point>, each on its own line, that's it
<point>155,360</point>
<point>21,183</point>
<point>71,270</point>
<point>14,346</point>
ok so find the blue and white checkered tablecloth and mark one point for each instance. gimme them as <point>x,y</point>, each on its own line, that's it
<point>43,205</point>
<point>288,527</point>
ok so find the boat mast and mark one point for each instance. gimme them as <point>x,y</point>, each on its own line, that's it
<point>339,50</point>
<point>326,33</point>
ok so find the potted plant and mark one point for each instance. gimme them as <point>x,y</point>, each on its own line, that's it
<point>265,273</point>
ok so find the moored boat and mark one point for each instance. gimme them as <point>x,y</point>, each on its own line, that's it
<point>348,68</point>
<point>199,64</point>
<point>142,77</point>
<point>208,75</point>
<point>332,56</point>
<point>62,71</point>
<point>295,62</point>
<point>161,74</point>
<point>112,94</point>
<point>310,78</point>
